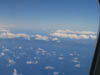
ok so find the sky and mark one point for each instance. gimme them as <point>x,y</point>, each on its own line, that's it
<point>49,15</point>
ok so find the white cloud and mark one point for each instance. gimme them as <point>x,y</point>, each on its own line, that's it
<point>55,73</point>
<point>23,35</point>
<point>92,36</point>
<point>75,60</point>
<point>10,61</point>
<point>35,62</point>
<point>6,50</point>
<point>2,54</point>
<point>26,36</point>
<point>77,65</point>
<point>54,39</point>
<point>83,36</point>
<point>71,36</point>
<point>32,62</point>
<point>15,72</point>
<point>71,54</point>
<point>29,62</point>
<point>41,51</point>
<point>60,58</point>
<point>7,35</point>
<point>74,34</point>
<point>12,35</point>
<point>63,35</point>
<point>49,68</point>
<point>59,33</point>
<point>40,37</point>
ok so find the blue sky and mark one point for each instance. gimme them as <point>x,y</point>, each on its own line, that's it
<point>50,14</point>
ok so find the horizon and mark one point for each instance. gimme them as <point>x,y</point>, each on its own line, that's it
<point>49,15</point>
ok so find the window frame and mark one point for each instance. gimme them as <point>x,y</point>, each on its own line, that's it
<point>95,67</point>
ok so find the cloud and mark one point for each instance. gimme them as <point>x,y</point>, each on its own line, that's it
<point>4,33</point>
<point>10,61</point>
<point>26,36</point>
<point>23,35</point>
<point>29,62</point>
<point>71,36</point>
<point>92,36</point>
<point>35,62</point>
<point>63,35</point>
<point>74,34</point>
<point>2,54</point>
<point>75,60</point>
<point>60,58</point>
<point>55,73</point>
<point>49,68</point>
<point>41,51</point>
<point>40,37</point>
<point>77,65</point>
<point>15,72</point>
<point>54,39</point>
<point>12,35</point>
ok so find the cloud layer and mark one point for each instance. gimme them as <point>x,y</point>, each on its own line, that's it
<point>52,36</point>
<point>74,34</point>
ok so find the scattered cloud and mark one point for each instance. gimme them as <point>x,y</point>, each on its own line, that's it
<point>10,61</point>
<point>15,72</point>
<point>71,54</point>
<point>29,62</point>
<point>49,68</point>
<point>60,58</point>
<point>55,73</point>
<point>41,51</point>
<point>77,65</point>
<point>75,60</point>
<point>35,62</point>
<point>2,54</point>
<point>32,62</point>
<point>6,50</point>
